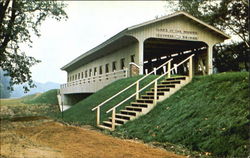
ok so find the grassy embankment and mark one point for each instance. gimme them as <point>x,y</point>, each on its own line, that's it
<point>81,112</point>
<point>211,114</point>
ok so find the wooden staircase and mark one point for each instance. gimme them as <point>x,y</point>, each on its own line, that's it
<point>143,103</point>
<point>146,102</point>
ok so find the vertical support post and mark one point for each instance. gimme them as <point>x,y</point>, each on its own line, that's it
<point>155,92</point>
<point>209,65</point>
<point>113,119</point>
<point>146,71</point>
<point>141,56</point>
<point>137,89</point>
<point>154,70</point>
<point>191,67</point>
<point>164,69</point>
<point>169,67</point>
<point>98,116</point>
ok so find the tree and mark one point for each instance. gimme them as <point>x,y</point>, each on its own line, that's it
<point>228,15</point>
<point>4,83</point>
<point>19,19</point>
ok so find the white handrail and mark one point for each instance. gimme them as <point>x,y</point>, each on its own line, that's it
<point>130,86</point>
<point>94,77</point>
<point>149,84</point>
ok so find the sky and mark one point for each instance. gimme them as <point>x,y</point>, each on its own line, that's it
<point>88,25</point>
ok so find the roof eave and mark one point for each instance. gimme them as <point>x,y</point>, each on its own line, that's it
<point>108,41</point>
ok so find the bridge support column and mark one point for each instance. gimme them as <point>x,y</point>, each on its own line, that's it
<point>141,54</point>
<point>209,62</point>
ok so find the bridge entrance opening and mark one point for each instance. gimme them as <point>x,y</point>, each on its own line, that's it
<point>158,51</point>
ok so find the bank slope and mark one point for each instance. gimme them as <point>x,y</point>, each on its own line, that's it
<point>81,112</point>
<point>211,114</point>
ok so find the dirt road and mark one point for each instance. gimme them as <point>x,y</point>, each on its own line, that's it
<point>49,139</point>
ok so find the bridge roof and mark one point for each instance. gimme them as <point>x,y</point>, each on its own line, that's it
<point>115,41</point>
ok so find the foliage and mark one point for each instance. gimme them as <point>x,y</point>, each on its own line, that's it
<point>19,19</point>
<point>228,15</point>
<point>230,57</point>
<point>4,83</point>
<point>211,114</point>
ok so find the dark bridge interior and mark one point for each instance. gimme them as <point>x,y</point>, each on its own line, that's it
<point>158,51</point>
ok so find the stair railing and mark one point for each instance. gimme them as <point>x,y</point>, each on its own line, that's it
<point>137,83</point>
<point>190,58</point>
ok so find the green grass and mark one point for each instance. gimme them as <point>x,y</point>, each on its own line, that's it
<point>48,97</point>
<point>40,104</point>
<point>81,112</point>
<point>211,114</point>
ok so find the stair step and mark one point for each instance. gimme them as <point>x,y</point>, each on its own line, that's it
<point>118,120</point>
<point>171,82</point>
<point>166,85</point>
<point>132,108</point>
<point>123,116</point>
<point>145,100</point>
<point>148,96</point>
<point>128,112</point>
<point>152,93</point>
<point>109,123</point>
<point>136,104</point>
<point>105,127</point>
<point>162,89</point>
<point>176,78</point>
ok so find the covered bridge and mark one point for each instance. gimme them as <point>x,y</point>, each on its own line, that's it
<point>138,50</point>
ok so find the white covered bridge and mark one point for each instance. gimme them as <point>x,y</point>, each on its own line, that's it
<point>139,50</point>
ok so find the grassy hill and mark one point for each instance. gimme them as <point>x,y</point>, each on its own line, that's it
<point>48,97</point>
<point>81,112</point>
<point>211,114</point>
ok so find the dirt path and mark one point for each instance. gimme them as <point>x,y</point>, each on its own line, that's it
<point>54,140</point>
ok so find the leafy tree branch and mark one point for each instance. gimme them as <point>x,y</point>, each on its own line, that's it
<point>19,19</point>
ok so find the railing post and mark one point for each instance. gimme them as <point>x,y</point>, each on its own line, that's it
<point>164,69</point>
<point>155,92</point>
<point>169,67</point>
<point>98,116</point>
<point>191,67</point>
<point>154,70</point>
<point>137,89</point>
<point>113,119</point>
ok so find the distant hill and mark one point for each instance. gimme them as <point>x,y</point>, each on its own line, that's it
<point>40,88</point>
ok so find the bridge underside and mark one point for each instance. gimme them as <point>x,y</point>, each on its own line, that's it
<point>71,99</point>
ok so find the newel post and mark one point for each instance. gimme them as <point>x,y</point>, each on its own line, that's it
<point>113,119</point>
<point>169,67</point>
<point>98,116</point>
<point>191,67</point>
